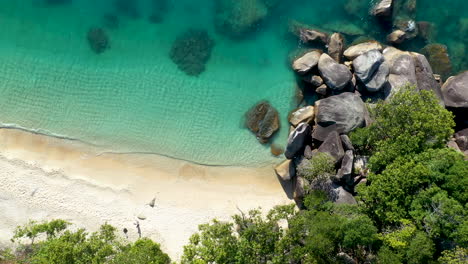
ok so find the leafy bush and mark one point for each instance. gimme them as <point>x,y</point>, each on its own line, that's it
<point>78,247</point>
<point>409,123</point>
<point>320,164</point>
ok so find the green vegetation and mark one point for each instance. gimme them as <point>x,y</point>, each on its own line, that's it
<point>320,164</point>
<point>62,246</point>
<point>410,123</point>
<point>413,209</point>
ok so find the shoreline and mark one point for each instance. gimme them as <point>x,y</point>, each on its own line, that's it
<point>43,178</point>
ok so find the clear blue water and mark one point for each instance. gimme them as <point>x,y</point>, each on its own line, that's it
<point>133,98</point>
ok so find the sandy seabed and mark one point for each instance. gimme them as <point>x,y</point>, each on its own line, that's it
<point>43,178</point>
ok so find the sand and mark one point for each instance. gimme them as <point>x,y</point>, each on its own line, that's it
<point>43,178</point>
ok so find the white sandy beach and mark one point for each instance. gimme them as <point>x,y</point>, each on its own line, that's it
<point>43,178</point>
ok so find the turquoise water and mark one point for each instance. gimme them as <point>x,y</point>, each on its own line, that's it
<point>133,98</point>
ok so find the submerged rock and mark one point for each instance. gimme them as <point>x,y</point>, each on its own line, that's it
<point>307,34</point>
<point>439,59</point>
<point>191,51</point>
<point>354,51</point>
<point>397,37</point>
<point>263,120</point>
<point>383,8</point>
<point>306,62</point>
<point>98,40</point>
<point>344,27</point>
<point>335,75</point>
<point>236,18</point>
<point>455,91</point>
<point>345,110</point>
<point>129,8</point>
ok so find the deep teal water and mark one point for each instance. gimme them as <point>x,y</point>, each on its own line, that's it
<point>133,98</point>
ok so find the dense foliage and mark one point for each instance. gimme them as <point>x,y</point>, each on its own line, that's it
<point>411,122</point>
<point>63,246</point>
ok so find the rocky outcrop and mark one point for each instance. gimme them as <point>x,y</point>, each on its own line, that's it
<point>333,146</point>
<point>335,75</point>
<point>343,196</point>
<point>354,51</point>
<point>336,47</point>
<point>455,91</point>
<point>315,80</point>
<point>461,139</point>
<point>191,51</point>
<point>304,114</point>
<point>98,40</point>
<point>297,140</point>
<point>306,62</point>
<point>345,110</point>
<point>263,120</point>
<point>347,142</point>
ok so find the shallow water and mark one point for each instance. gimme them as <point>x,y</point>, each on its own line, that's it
<point>133,98</point>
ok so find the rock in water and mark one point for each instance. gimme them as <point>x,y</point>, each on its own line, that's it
<point>191,51</point>
<point>297,140</point>
<point>307,34</point>
<point>306,62</point>
<point>455,91</point>
<point>354,51</point>
<point>263,120</point>
<point>439,59</point>
<point>346,110</point>
<point>336,75</point>
<point>383,8</point>
<point>336,47</point>
<point>397,37</point>
<point>98,40</point>
<point>367,64</point>
<point>236,18</point>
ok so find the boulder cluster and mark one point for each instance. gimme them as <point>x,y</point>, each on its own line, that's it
<point>343,77</point>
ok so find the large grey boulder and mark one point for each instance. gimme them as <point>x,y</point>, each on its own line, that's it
<point>263,120</point>
<point>336,46</point>
<point>297,140</point>
<point>402,69</point>
<point>379,79</point>
<point>333,146</point>
<point>336,75</point>
<point>354,51</point>
<point>306,62</point>
<point>344,174</point>
<point>455,91</point>
<point>347,144</point>
<point>343,196</point>
<point>424,75</point>
<point>366,65</point>
<point>346,110</point>
<point>461,139</point>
